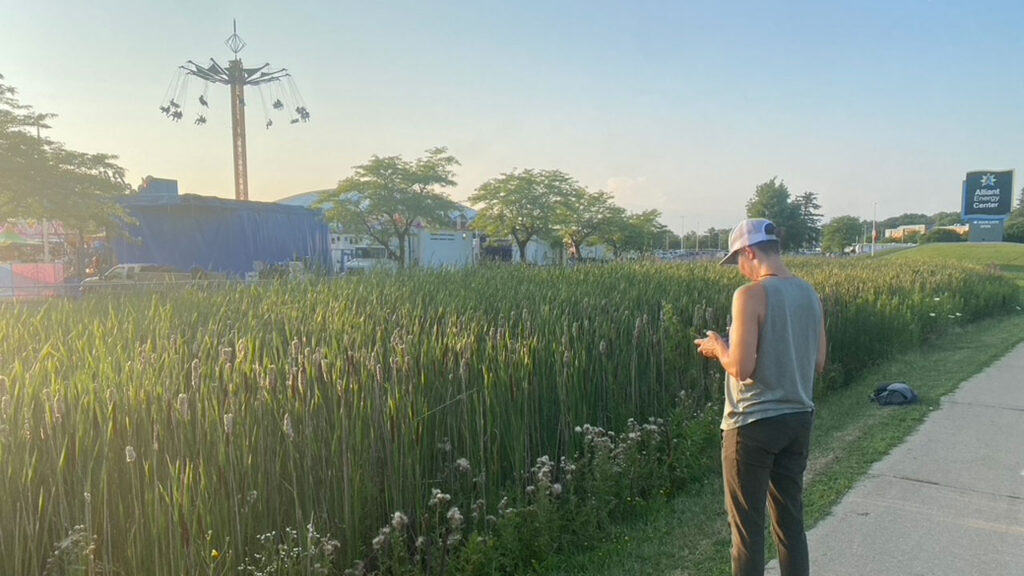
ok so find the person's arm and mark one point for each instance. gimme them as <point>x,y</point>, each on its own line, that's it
<point>822,347</point>
<point>739,356</point>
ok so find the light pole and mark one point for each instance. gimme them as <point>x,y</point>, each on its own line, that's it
<point>874,218</point>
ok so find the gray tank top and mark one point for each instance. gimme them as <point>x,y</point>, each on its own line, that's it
<point>787,351</point>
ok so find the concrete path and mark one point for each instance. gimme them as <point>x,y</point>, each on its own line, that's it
<point>948,501</point>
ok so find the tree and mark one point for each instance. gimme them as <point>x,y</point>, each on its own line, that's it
<point>1014,230</point>
<point>583,215</point>
<point>771,200</point>
<point>522,204</point>
<point>810,218</point>
<point>638,232</point>
<point>906,219</point>
<point>945,218</point>
<point>941,235</point>
<point>44,180</point>
<point>840,232</point>
<point>386,196</point>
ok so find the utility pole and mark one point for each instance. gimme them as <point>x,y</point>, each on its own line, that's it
<point>874,218</point>
<point>236,77</point>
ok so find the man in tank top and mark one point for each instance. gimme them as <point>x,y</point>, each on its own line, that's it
<point>775,348</point>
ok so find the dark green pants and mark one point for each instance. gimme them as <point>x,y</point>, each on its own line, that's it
<point>765,460</point>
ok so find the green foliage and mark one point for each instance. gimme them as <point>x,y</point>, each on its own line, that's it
<point>524,204</point>
<point>387,195</point>
<point>638,232</point>
<point>941,235</point>
<point>840,232</point>
<point>797,220</point>
<point>44,180</point>
<point>1014,231</point>
<point>179,429</point>
<point>585,215</point>
<point>946,218</point>
<point>810,218</point>
<point>907,219</point>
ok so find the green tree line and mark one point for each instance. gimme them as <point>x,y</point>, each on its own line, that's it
<point>42,179</point>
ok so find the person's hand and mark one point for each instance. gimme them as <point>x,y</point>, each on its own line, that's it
<point>712,345</point>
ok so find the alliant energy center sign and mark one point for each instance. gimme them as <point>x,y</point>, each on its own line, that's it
<point>988,195</point>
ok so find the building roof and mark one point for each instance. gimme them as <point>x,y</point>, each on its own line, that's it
<point>305,199</point>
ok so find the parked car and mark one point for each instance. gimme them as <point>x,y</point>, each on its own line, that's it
<point>360,265</point>
<point>128,275</point>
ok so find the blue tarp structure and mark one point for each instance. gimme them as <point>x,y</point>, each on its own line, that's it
<point>220,235</point>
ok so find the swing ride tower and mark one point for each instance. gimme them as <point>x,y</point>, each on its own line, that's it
<point>236,76</point>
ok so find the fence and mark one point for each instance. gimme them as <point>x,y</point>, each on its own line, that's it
<point>24,281</point>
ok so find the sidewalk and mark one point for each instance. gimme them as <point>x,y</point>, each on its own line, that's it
<point>948,501</point>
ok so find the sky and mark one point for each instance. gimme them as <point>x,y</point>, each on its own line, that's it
<point>878,106</point>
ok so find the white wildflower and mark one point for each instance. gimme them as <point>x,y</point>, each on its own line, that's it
<point>399,521</point>
<point>455,519</point>
<point>329,546</point>
<point>462,465</point>
<point>229,423</point>
<point>438,498</point>
<point>129,454</point>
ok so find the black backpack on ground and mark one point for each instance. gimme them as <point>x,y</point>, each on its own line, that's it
<point>894,394</point>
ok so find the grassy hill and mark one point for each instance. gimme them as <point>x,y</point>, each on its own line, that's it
<point>1007,256</point>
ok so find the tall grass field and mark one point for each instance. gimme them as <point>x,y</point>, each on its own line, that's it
<point>313,428</point>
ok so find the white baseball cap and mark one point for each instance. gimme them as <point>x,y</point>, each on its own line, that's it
<point>747,233</point>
